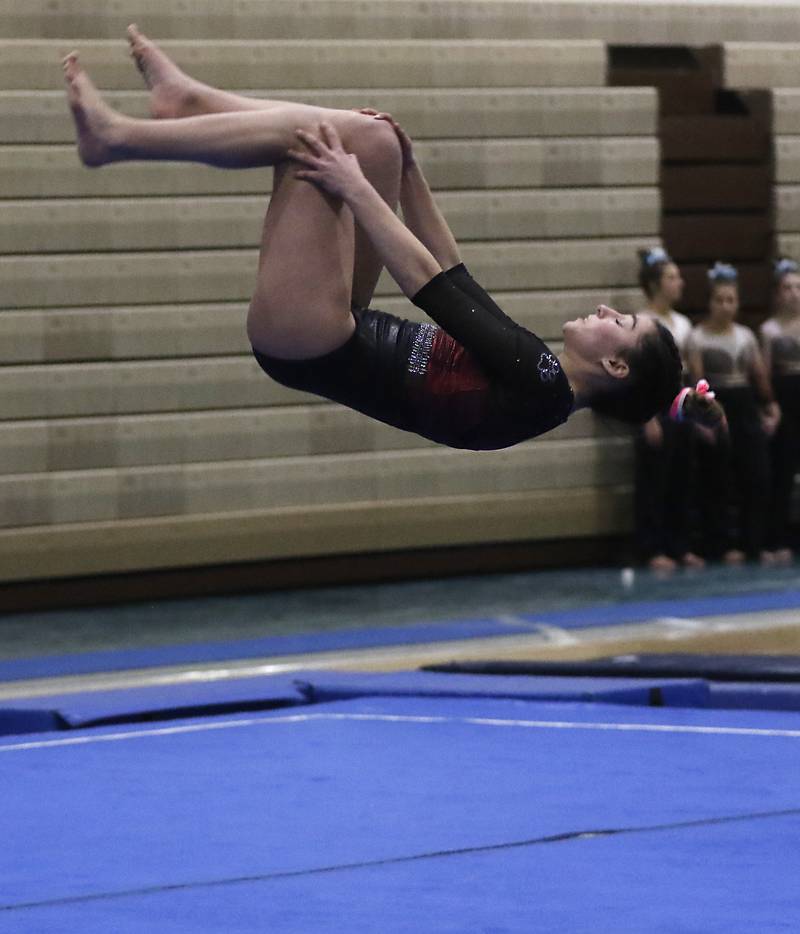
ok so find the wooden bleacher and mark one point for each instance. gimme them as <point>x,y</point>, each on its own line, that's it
<point>135,430</point>
<point>648,22</point>
<point>773,65</point>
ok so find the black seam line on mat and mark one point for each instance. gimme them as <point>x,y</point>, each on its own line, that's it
<point>398,860</point>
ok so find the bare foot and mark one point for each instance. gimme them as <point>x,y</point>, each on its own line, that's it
<point>95,121</point>
<point>690,560</point>
<point>734,557</point>
<point>784,557</point>
<point>172,92</point>
<point>662,564</point>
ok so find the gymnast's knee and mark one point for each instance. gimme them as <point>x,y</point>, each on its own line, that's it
<point>375,141</point>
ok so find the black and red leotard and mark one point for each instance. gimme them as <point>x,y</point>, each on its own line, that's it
<point>479,380</point>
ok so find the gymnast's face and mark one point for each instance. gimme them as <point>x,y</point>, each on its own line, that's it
<point>607,337</point>
<point>788,294</point>
<point>724,304</point>
<point>670,287</point>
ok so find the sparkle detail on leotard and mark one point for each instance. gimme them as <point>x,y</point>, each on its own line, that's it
<point>548,367</point>
<point>421,349</point>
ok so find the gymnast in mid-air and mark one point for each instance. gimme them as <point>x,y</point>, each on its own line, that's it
<point>475,379</point>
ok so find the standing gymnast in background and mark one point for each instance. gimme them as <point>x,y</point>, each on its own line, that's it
<point>664,447</point>
<point>478,380</point>
<point>780,341</point>
<point>728,354</point>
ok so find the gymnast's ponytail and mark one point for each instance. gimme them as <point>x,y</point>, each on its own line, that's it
<point>654,386</point>
<point>697,405</point>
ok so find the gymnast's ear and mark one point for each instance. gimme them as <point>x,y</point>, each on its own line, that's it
<point>616,367</point>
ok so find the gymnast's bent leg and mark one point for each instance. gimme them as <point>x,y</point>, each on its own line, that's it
<point>301,306</point>
<point>174,94</point>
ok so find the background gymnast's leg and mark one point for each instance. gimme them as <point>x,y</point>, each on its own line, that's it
<point>304,290</point>
<point>174,94</point>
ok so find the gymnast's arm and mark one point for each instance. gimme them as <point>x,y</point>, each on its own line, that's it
<point>325,163</point>
<point>506,351</point>
<point>420,212</point>
<point>424,219</point>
